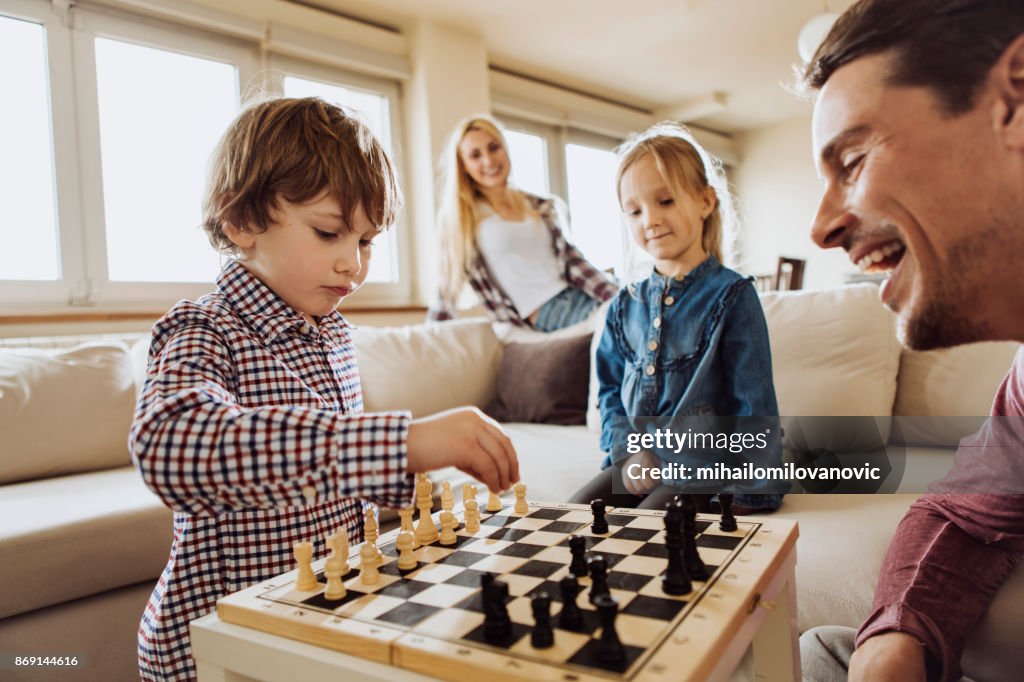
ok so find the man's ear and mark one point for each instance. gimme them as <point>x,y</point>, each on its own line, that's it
<point>1009,76</point>
<point>239,236</point>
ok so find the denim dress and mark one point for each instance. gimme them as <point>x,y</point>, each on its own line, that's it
<point>695,346</point>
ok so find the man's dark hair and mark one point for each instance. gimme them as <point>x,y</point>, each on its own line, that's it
<point>948,46</point>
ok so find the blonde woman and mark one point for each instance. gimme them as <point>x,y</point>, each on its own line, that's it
<point>509,245</point>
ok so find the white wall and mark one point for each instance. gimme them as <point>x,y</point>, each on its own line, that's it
<point>779,190</point>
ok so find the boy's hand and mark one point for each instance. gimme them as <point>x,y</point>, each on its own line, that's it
<point>640,486</point>
<point>468,440</point>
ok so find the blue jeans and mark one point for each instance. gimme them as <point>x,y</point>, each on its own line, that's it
<point>564,309</point>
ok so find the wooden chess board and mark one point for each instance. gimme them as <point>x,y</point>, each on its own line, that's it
<point>430,620</point>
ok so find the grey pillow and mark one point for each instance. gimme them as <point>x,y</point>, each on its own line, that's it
<point>544,382</point>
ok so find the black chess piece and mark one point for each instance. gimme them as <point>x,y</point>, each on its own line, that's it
<point>695,567</point>
<point>609,648</point>
<point>675,580</point>
<point>578,547</point>
<point>598,577</point>
<point>728,521</point>
<point>571,617</point>
<point>600,525</point>
<point>497,624</point>
<point>543,636</point>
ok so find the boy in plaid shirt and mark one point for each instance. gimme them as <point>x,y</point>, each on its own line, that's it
<point>250,424</point>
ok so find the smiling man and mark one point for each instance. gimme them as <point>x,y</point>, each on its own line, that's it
<point>919,136</point>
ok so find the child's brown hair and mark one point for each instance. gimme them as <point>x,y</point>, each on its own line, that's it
<point>296,148</point>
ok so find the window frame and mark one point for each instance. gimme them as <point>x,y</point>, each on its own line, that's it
<point>69,34</point>
<point>370,293</point>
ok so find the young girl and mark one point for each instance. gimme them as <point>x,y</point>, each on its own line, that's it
<point>510,245</point>
<point>691,339</point>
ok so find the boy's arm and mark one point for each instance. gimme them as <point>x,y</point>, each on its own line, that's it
<point>203,453</point>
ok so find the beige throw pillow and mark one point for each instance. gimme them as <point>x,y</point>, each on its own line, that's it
<point>64,411</point>
<point>428,368</point>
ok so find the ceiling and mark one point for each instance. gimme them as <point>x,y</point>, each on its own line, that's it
<point>653,54</point>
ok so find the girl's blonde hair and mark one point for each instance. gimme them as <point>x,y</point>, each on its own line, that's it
<point>688,170</point>
<point>458,215</point>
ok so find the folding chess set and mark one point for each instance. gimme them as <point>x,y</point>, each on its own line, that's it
<point>530,591</point>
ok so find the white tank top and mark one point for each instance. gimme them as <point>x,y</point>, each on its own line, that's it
<point>521,259</point>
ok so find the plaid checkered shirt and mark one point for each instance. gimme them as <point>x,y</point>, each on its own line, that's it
<point>579,273</point>
<point>250,427</point>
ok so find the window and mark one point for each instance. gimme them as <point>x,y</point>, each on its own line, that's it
<point>530,170</point>
<point>154,149</point>
<point>594,205</point>
<point>376,101</point>
<point>579,167</point>
<point>26,165</point>
<point>106,156</point>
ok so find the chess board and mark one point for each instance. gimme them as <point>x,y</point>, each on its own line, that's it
<point>431,619</point>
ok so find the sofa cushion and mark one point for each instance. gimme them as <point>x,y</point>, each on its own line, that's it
<point>64,411</point>
<point>952,382</point>
<point>428,368</point>
<point>544,383</point>
<point>73,536</point>
<point>834,353</point>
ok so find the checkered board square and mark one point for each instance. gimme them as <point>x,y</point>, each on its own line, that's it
<point>431,619</point>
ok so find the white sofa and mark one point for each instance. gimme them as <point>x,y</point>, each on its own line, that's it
<point>82,541</point>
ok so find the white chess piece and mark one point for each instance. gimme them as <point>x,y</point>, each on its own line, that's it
<point>448,536</point>
<point>406,559</point>
<point>467,493</point>
<point>338,542</point>
<point>306,579</point>
<point>407,525</point>
<point>493,501</point>
<point>472,516</point>
<point>334,571</point>
<point>426,532</point>
<point>368,573</point>
<point>370,533</point>
<point>447,499</point>
<point>521,506</point>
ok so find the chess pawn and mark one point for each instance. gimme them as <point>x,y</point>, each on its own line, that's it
<point>448,536</point>
<point>447,499</point>
<point>521,507</point>
<point>368,573</point>
<point>493,501</point>
<point>306,579</point>
<point>472,516</point>
<point>406,525</point>
<point>406,559</point>
<point>334,571</point>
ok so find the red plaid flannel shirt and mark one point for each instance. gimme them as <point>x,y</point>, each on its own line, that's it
<point>250,427</point>
<point>577,270</point>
